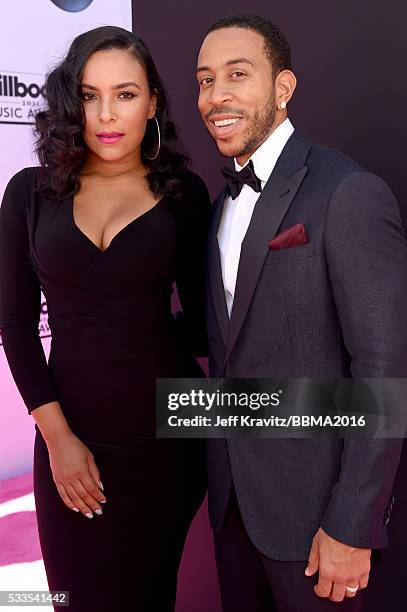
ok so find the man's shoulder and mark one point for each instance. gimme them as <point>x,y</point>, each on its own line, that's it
<point>332,169</point>
<point>331,159</point>
<point>345,185</point>
<point>326,165</point>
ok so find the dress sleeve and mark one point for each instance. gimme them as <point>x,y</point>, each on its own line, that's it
<point>20,300</point>
<point>191,265</point>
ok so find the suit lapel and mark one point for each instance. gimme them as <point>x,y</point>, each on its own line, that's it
<point>215,267</point>
<point>269,212</point>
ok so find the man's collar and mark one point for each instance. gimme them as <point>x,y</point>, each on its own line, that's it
<point>265,157</point>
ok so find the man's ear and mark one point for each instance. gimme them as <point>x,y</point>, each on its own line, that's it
<point>284,87</point>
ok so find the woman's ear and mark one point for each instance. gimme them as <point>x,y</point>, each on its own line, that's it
<point>153,105</point>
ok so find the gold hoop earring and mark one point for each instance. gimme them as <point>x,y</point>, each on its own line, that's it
<point>159,141</point>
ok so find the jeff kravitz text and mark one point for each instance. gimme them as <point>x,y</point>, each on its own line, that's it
<point>301,420</point>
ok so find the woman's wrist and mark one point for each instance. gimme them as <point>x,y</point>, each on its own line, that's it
<point>54,436</point>
<point>51,422</point>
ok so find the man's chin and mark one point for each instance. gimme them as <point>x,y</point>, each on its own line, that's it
<point>228,149</point>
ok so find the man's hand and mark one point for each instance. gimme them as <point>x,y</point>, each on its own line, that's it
<point>339,566</point>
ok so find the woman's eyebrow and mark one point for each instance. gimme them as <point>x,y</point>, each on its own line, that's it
<point>118,86</point>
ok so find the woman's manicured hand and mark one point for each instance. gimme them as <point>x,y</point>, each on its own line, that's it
<point>76,475</point>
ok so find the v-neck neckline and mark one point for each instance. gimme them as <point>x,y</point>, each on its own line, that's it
<point>118,234</point>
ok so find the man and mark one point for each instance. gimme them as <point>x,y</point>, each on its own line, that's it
<point>307,278</point>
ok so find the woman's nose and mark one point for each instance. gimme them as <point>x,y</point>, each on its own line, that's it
<point>106,110</point>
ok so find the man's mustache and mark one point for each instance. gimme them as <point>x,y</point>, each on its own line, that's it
<point>224,110</point>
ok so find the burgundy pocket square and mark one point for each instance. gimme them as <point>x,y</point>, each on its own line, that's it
<point>291,237</point>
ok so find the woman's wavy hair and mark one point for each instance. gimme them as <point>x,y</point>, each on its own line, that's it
<point>60,147</point>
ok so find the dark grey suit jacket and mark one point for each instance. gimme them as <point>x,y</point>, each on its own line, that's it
<point>335,307</point>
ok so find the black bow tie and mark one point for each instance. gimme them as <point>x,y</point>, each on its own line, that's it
<point>236,180</point>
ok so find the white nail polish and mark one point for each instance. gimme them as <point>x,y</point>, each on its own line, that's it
<point>75,509</point>
<point>101,486</point>
<point>103,501</point>
<point>89,515</point>
<point>99,512</point>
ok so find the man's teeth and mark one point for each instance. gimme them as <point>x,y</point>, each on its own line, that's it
<point>225,122</point>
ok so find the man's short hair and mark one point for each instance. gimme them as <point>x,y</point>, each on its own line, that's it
<point>276,45</point>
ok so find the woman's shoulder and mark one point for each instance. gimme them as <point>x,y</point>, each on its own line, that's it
<point>24,179</point>
<point>192,181</point>
<point>194,190</point>
<point>194,204</point>
<point>19,192</point>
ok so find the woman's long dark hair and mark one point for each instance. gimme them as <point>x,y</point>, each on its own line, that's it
<point>60,147</point>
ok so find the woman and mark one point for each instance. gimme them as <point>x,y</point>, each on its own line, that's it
<point>104,226</point>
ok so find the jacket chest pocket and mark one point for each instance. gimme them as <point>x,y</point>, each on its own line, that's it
<point>304,251</point>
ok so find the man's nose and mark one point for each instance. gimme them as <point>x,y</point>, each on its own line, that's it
<point>219,94</point>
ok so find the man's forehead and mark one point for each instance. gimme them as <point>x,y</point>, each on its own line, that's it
<point>223,47</point>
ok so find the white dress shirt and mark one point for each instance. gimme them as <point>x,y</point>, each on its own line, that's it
<point>237,213</point>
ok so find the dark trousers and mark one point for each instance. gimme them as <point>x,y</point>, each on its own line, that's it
<point>252,582</point>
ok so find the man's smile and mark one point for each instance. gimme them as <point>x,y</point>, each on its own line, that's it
<point>224,126</point>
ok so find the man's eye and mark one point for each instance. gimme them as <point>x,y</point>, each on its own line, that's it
<point>238,73</point>
<point>206,81</point>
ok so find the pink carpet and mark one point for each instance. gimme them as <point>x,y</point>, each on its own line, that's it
<point>19,536</point>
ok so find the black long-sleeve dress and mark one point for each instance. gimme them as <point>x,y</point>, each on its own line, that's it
<point>112,335</point>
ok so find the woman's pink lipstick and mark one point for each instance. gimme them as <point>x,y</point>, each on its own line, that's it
<point>109,137</point>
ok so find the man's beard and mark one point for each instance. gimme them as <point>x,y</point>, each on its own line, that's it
<point>260,129</point>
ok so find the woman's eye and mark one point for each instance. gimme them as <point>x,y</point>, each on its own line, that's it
<point>124,95</point>
<point>127,95</point>
<point>206,81</point>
